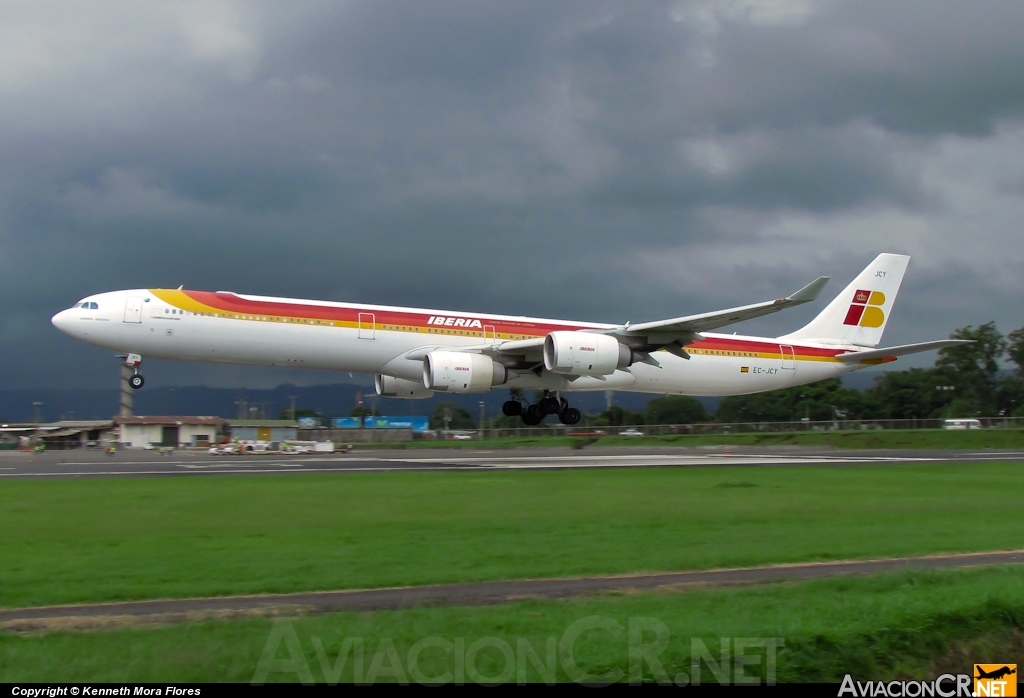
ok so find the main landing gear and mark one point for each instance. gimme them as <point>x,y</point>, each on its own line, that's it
<point>534,414</point>
<point>133,361</point>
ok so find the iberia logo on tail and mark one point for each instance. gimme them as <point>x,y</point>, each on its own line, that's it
<point>865,310</point>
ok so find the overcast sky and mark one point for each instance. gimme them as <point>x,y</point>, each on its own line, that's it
<point>603,161</point>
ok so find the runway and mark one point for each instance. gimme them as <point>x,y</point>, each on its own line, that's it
<point>70,464</point>
<point>473,594</point>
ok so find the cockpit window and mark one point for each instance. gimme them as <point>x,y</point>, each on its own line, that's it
<point>94,306</point>
<point>84,305</point>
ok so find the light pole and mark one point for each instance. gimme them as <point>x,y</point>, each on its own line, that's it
<point>481,420</point>
<point>373,413</point>
<point>37,405</point>
<point>946,388</point>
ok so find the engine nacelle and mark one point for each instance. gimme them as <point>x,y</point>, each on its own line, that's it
<point>460,372</point>
<point>585,354</point>
<point>389,386</point>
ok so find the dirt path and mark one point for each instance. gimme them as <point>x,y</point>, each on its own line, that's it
<point>473,594</point>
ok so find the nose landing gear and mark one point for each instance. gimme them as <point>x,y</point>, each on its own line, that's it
<point>133,361</point>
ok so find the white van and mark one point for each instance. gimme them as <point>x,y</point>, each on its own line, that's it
<point>961,424</point>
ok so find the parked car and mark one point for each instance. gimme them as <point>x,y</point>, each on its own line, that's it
<point>631,432</point>
<point>224,450</point>
<point>961,424</point>
<point>297,448</point>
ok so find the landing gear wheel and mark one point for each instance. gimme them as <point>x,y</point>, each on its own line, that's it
<point>571,415</point>
<point>533,416</point>
<point>136,381</point>
<point>512,408</point>
<point>550,405</point>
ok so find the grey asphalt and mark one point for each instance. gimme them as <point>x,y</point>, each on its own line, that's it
<point>484,593</point>
<point>139,463</point>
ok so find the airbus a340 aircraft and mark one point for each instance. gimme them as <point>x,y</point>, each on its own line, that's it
<point>415,353</point>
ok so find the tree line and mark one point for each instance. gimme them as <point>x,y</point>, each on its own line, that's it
<point>965,381</point>
<point>968,380</point>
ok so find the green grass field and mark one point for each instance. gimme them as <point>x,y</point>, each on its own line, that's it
<point>873,439</point>
<point>912,624</point>
<point>67,541</point>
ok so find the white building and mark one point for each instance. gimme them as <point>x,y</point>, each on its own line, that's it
<point>175,432</point>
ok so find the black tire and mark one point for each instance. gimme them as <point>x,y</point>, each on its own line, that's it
<point>533,416</point>
<point>136,381</point>
<point>512,408</point>
<point>550,405</point>
<point>570,416</point>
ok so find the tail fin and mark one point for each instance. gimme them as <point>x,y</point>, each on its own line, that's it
<point>858,314</point>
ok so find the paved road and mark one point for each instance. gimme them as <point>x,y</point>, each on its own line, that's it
<point>182,463</point>
<point>485,592</point>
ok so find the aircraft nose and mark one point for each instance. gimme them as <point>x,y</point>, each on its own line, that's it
<point>61,321</point>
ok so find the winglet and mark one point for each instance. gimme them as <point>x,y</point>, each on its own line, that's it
<point>809,292</point>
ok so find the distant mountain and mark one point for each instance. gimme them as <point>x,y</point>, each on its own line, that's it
<point>333,400</point>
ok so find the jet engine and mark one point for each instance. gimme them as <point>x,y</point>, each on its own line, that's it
<point>585,354</point>
<point>460,372</point>
<point>388,386</point>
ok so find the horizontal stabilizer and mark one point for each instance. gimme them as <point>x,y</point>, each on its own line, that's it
<point>902,350</point>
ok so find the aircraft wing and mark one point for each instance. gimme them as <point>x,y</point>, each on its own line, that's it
<point>649,336</point>
<point>720,318</point>
<point>673,333</point>
<point>521,346</point>
<point>902,350</point>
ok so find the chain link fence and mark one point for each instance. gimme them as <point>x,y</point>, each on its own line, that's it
<point>719,428</point>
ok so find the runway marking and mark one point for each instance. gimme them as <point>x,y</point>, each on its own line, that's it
<point>206,466</point>
<point>190,462</point>
<point>625,461</point>
<point>484,461</point>
<point>232,472</point>
<point>655,457</point>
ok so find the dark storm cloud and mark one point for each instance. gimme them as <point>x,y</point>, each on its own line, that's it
<point>601,160</point>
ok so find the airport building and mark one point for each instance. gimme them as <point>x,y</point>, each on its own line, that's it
<point>59,435</point>
<point>263,429</point>
<point>173,432</point>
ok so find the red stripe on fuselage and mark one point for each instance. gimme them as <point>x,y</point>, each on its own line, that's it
<point>231,303</point>
<point>762,346</point>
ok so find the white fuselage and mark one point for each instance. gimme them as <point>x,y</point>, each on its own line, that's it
<point>260,331</point>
